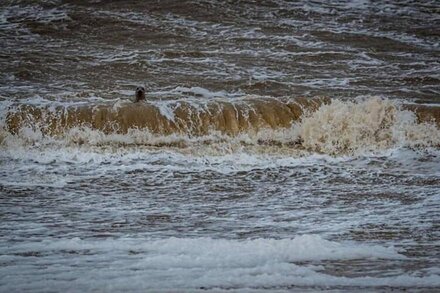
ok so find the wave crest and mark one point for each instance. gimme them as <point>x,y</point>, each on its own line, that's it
<point>347,127</point>
<point>316,125</point>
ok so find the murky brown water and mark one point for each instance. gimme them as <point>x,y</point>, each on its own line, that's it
<point>275,48</point>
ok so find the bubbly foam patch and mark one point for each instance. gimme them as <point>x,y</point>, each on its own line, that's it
<point>369,125</point>
<point>194,263</point>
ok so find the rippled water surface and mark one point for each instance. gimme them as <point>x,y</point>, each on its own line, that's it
<point>277,48</point>
<point>282,146</point>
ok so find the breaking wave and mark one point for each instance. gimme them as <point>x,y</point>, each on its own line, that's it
<point>318,125</point>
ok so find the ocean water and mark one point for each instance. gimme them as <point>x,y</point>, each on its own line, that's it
<point>282,146</point>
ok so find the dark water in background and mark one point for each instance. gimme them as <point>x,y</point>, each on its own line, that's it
<point>346,198</point>
<point>339,49</point>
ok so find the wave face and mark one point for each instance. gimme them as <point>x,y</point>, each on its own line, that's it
<point>318,125</point>
<point>191,118</point>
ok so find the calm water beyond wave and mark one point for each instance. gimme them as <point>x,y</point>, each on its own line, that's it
<point>282,146</point>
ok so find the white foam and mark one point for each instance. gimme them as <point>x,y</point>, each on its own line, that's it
<point>198,159</point>
<point>335,82</point>
<point>366,125</point>
<point>192,263</point>
<point>199,91</point>
<point>223,251</point>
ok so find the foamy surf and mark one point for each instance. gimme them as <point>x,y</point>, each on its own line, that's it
<point>294,180</point>
<point>319,125</point>
<point>203,264</point>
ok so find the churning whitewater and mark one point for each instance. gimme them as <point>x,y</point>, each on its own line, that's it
<point>316,124</point>
<point>281,146</point>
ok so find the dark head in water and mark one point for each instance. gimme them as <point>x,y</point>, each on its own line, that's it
<point>139,94</point>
